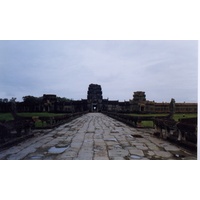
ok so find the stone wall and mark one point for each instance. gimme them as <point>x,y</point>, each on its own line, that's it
<point>96,103</point>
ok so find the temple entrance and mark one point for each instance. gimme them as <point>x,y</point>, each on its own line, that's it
<point>94,108</point>
<point>142,109</point>
<point>94,98</point>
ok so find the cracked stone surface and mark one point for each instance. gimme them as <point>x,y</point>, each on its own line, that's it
<point>95,136</point>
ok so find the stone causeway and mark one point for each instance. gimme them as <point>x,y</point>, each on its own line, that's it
<point>95,136</point>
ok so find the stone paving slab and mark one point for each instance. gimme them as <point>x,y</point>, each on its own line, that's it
<point>95,136</point>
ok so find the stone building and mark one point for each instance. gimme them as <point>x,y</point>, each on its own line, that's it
<point>94,98</point>
<point>139,104</point>
<point>96,103</point>
<point>48,102</point>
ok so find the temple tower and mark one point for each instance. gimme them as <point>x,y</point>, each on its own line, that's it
<point>139,102</point>
<point>94,98</point>
<point>139,96</point>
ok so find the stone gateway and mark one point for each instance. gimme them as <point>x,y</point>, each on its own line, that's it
<point>96,103</point>
<point>94,98</point>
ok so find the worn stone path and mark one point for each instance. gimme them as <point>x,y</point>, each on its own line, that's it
<point>95,136</point>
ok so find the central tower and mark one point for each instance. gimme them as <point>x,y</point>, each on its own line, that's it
<point>94,98</point>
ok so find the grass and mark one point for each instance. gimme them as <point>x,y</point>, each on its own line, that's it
<point>8,116</point>
<point>176,117</point>
<point>43,114</point>
<point>183,116</point>
<point>147,123</point>
<point>38,124</point>
<point>148,115</point>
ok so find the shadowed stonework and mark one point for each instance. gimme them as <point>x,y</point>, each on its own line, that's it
<point>96,103</point>
<point>94,98</point>
<point>95,136</point>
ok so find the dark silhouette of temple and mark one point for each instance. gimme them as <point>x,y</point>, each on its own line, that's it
<point>94,98</point>
<point>96,103</point>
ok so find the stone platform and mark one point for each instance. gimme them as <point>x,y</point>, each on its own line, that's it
<point>95,136</point>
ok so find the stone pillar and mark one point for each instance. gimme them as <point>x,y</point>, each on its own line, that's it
<point>172,108</point>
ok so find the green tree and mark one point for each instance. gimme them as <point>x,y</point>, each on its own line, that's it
<point>30,102</point>
<point>62,99</point>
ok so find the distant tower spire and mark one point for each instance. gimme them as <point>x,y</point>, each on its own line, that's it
<point>94,98</point>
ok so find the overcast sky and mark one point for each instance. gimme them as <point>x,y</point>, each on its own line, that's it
<point>163,69</point>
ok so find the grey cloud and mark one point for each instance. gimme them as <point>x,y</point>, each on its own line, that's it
<point>163,69</point>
